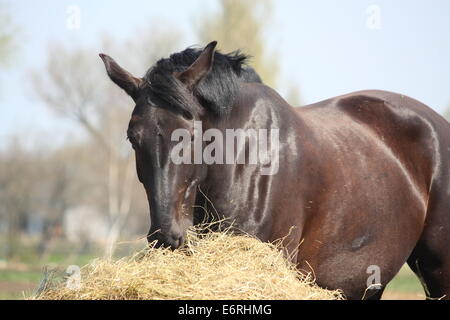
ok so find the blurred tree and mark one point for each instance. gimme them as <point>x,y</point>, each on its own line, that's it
<point>34,188</point>
<point>240,25</point>
<point>7,34</point>
<point>447,114</point>
<point>293,96</point>
<point>17,180</point>
<point>74,84</point>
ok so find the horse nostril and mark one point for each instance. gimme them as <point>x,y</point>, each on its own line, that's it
<point>172,241</point>
<point>176,243</point>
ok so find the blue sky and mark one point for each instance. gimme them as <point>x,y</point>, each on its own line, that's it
<point>325,48</point>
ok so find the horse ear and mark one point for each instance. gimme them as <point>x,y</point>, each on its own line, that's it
<point>120,76</point>
<point>200,68</point>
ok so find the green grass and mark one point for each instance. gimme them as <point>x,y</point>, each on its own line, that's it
<point>14,283</point>
<point>6,295</point>
<point>20,276</point>
<point>405,281</point>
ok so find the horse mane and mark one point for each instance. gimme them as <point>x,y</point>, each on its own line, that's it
<point>216,92</point>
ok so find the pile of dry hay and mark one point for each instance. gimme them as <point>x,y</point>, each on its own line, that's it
<point>216,266</point>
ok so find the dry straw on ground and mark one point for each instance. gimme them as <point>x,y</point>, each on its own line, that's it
<point>216,266</point>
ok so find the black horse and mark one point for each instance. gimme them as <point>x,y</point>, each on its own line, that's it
<point>362,181</point>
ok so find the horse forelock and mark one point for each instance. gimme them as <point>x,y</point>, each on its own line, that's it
<point>216,92</point>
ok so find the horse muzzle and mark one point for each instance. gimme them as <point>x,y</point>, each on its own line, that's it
<point>171,239</point>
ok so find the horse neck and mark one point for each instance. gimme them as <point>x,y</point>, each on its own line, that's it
<point>256,107</point>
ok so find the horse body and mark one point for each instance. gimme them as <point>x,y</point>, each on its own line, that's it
<point>385,167</point>
<point>363,181</point>
<point>353,188</point>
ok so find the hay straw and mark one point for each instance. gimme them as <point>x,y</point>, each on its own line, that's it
<point>215,266</point>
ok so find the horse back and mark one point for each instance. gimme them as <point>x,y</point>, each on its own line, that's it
<point>415,134</point>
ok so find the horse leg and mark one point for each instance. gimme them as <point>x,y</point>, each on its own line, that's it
<point>430,259</point>
<point>377,295</point>
<point>433,270</point>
